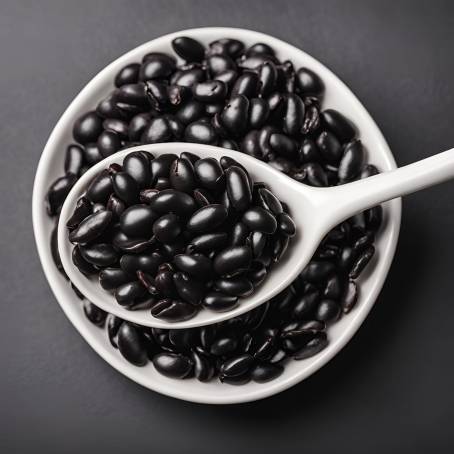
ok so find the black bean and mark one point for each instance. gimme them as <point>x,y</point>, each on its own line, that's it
<point>257,273</point>
<point>189,77</point>
<point>283,146</point>
<point>87,128</point>
<point>74,159</point>
<point>316,345</point>
<point>350,297</point>
<point>232,260</point>
<point>173,201</point>
<point>173,365</point>
<point>129,74</point>
<point>309,83</point>
<point>188,49</point>
<point>173,311</point>
<point>235,115</point>
<point>163,283</point>
<point>208,242</point>
<point>247,85</point>
<point>200,132</point>
<point>189,289</point>
<point>196,265</point>
<point>203,369</point>
<point>238,188</point>
<point>210,91</point>
<point>82,210</point>
<point>352,161</point>
<point>145,261</point>
<point>120,127</point>
<point>127,294</point>
<point>223,346</point>
<point>167,228</point>
<point>158,130</point>
<point>101,254</point>
<point>361,262</point>
<point>157,95</point>
<point>265,372</point>
<point>111,278</point>
<point>133,94</point>
<point>137,221</point>
<point>293,114</point>
<point>96,315</point>
<point>113,325</point>
<point>91,227</point>
<point>269,201</point>
<point>235,366</point>
<point>125,187</point>
<point>210,174</point>
<point>156,67</point>
<point>330,147</point>
<point>315,174</point>
<point>234,286</point>
<point>218,64</point>
<point>131,344</point>
<point>259,219</point>
<point>286,225</point>
<point>160,167</point>
<point>182,175</point>
<point>57,193</point>
<point>317,271</point>
<point>219,302</point>
<point>207,218</point>
<point>327,311</point>
<point>137,165</point>
<point>339,125</point>
<point>308,151</point>
<point>238,380</point>
<point>82,265</point>
<point>137,125</point>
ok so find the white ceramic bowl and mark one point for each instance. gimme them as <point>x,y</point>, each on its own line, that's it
<point>337,96</point>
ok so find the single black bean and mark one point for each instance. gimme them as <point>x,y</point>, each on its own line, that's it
<point>82,210</point>
<point>203,369</point>
<point>258,113</point>
<point>293,114</point>
<point>315,174</point>
<point>200,132</point>
<point>188,77</point>
<point>227,46</point>
<point>96,315</point>
<point>127,294</point>
<point>238,380</point>
<point>210,173</point>
<point>203,197</point>
<point>131,344</point>
<point>173,311</point>
<point>101,254</point>
<point>173,365</point>
<point>327,311</point>
<point>219,302</point>
<point>208,242</point>
<point>129,74</point>
<point>259,219</point>
<point>137,165</point>
<point>232,260</point>
<point>238,188</point>
<point>339,125</point>
<point>188,49</point>
<point>257,273</point>
<point>157,95</point>
<point>361,262</point>
<point>286,225</point>
<point>264,372</point>
<point>269,201</point>
<point>87,128</point>
<point>350,297</point>
<point>111,278</point>
<point>234,117</point>
<point>125,187</point>
<point>283,145</point>
<point>133,94</point>
<point>308,83</point>
<point>167,228</point>
<point>113,325</point>
<point>137,221</point>
<point>316,345</point>
<point>267,78</point>
<point>156,67</point>
<point>158,130</point>
<point>330,147</point>
<point>235,366</point>
<point>196,265</point>
<point>317,271</point>
<point>57,193</point>
<point>120,127</point>
<point>188,288</point>
<point>251,144</point>
<point>234,286</point>
<point>182,175</point>
<point>91,227</point>
<point>74,159</point>
<point>164,285</point>
<point>82,265</point>
<point>170,200</point>
<point>352,161</point>
<point>160,166</point>
<point>207,218</point>
<point>210,91</point>
<point>247,85</point>
<point>309,152</point>
<point>223,346</point>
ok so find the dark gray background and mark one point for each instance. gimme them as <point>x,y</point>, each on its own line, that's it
<point>390,389</point>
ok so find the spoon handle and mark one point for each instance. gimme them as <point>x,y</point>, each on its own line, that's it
<point>352,198</point>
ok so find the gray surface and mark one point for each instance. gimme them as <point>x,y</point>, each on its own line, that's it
<point>390,390</point>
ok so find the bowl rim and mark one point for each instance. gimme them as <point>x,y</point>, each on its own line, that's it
<point>172,388</point>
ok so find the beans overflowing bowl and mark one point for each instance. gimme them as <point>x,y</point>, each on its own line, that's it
<point>174,234</point>
<point>309,139</point>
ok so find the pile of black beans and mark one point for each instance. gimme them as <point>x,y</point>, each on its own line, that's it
<point>242,98</point>
<point>174,234</point>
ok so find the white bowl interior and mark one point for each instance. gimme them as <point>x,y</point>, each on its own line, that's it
<point>337,96</point>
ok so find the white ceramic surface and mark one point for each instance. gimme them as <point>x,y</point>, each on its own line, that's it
<point>337,96</point>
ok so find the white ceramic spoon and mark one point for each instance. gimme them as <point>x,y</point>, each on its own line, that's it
<point>315,212</point>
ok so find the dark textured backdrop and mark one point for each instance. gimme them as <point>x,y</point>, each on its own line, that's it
<point>389,390</point>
